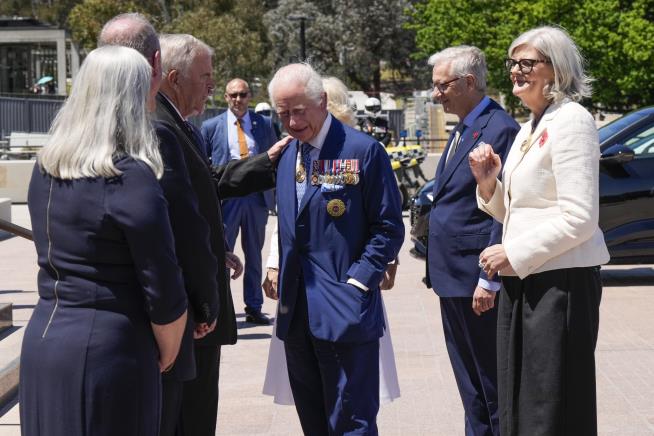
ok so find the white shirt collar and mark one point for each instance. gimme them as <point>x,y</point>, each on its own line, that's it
<point>231,118</point>
<point>318,141</point>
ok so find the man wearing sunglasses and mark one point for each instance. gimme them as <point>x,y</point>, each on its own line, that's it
<point>236,134</point>
<point>459,231</point>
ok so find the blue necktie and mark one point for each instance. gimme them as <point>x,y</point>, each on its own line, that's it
<point>301,187</point>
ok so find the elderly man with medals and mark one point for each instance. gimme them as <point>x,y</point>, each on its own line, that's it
<point>340,224</point>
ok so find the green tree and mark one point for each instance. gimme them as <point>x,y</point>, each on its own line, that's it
<point>87,18</point>
<point>350,39</point>
<point>613,35</point>
<point>238,38</point>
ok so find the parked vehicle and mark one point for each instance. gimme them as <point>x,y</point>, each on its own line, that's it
<point>626,186</point>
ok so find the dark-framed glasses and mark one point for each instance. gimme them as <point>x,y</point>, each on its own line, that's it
<point>238,94</point>
<point>525,65</point>
<point>442,87</point>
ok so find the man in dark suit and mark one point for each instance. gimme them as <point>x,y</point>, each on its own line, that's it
<point>340,224</point>
<point>187,82</point>
<point>240,133</point>
<point>459,231</point>
<point>190,228</point>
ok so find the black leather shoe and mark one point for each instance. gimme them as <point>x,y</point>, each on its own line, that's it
<point>255,316</point>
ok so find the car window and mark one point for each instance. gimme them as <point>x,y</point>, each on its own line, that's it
<point>642,142</point>
<point>618,125</point>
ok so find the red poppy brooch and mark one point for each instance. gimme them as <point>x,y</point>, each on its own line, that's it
<point>543,139</point>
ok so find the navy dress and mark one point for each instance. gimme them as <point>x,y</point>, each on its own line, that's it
<point>89,362</point>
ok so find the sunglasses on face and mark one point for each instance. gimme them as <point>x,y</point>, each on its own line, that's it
<point>524,65</point>
<point>238,94</point>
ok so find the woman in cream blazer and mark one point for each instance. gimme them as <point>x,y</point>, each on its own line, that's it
<point>548,202</point>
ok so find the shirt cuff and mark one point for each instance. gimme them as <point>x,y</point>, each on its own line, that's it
<point>489,286</point>
<point>358,284</point>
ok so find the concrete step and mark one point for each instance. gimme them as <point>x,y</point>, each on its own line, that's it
<point>10,363</point>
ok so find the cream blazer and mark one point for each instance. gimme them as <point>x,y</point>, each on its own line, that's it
<point>548,201</point>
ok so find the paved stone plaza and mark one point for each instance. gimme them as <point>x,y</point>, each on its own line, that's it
<point>429,404</point>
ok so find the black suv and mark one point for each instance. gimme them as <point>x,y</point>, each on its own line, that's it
<point>626,187</point>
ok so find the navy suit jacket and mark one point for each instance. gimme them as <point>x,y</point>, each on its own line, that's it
<point>215,134</point>
<point>458,230</point>
<point>326,251</point>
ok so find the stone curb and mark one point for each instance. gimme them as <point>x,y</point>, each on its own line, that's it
<point>10,365</point>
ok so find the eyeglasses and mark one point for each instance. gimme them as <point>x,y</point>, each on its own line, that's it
<point>525,65</point>
<point>442,87</point>
<point>233,95</point>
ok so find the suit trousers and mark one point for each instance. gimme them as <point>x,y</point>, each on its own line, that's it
<point>546,336</point>
<point>171,406</point>
<point>200,398</point>
<point>470,341</point>
<point>250,215</point>
<point>335,385</point>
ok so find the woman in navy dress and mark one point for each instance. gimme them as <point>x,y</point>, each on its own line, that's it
<point>112,305</point>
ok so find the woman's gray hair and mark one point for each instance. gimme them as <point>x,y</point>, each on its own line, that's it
<point>570,80</point>
<point>338,100</point>
<point>179,50</point>
<point>294,74</point>
<point>464,60</point>
<point>105,117</point>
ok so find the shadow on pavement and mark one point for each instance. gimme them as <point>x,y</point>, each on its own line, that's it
<point>639,276</point>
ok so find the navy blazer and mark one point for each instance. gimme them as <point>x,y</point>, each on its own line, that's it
<point>326,251</point>
<point>215,134</point>
<point>458,230</point>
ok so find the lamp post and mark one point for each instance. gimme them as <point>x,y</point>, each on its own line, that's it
<point>302,19</point>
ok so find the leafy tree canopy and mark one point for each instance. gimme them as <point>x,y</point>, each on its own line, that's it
<point>613,35</point>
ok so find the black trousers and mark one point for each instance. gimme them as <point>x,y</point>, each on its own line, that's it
<point>546,335</point>
<point>171,406</point>
<point>200,396</point>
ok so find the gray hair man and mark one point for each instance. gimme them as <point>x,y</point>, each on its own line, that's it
<point>459,231</point>
<point>188,80</point>
<point>135,31</point>
<point>340,224</point>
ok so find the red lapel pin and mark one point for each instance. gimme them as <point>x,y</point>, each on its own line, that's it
<point>475,135</point>
<point>543,139</point>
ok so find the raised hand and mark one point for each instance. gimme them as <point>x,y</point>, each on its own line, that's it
<point>485,165</point>
<point>277,148</point>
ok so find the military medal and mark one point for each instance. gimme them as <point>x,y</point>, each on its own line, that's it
<point>335,207</point>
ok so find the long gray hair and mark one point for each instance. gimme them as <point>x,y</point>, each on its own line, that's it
<point>105,117</point>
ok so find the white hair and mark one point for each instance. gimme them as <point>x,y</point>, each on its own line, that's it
<point>297,74</point>
<point>179,50</point>
<point>464,60</point>
<point>570,80</point>
<point>105,117</point>
<point>338,100</point>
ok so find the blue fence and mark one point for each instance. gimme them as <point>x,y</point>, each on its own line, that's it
<point>34,115</point>
<point>26,115</point>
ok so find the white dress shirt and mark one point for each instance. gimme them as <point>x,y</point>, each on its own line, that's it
<point>232,135</point>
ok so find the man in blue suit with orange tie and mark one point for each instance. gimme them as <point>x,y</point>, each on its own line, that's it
<point>458,232</point>
<point>340,224</point>
<point>240,133</point>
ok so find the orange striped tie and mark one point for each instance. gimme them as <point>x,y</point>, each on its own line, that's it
<point>242,143</point>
